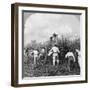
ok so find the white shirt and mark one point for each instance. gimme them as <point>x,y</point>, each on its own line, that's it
<point>69,54</point>
<point>35,52</point>
<point>55,49</point>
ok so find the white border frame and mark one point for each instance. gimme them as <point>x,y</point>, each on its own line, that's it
<point>56,78</point>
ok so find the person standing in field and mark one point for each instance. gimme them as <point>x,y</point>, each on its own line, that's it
<point>35,54</point>
<point>54,51</point>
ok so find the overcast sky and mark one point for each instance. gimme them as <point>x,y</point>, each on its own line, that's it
<point>40,26</point>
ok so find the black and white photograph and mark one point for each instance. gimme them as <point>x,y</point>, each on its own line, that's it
<point>52,44</point>
<point>49,44</point>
